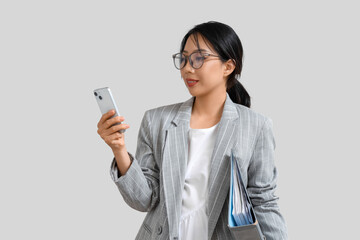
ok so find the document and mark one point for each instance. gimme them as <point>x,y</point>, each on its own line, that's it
<point>241,217</point>
<point>241,206</point>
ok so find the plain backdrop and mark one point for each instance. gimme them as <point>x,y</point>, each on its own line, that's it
<point>301,68</point>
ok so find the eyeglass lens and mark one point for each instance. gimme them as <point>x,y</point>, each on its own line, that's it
<point>196,60</point>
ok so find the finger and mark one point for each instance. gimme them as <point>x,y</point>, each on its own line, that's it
<point>116,128</point>
<point>108,123</point>
<point>106,116</point>
<point>115,139</point>
<point>114,136</point>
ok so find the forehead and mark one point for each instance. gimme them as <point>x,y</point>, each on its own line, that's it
<point>197,42</point>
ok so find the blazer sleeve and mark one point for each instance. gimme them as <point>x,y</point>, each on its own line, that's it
<point>262,177</point>
<point>139,186</point>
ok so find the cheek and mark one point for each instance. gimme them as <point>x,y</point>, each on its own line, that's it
<point>182,74</point>
<point>212,73</point>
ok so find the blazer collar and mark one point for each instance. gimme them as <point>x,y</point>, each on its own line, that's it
<point>175,157</point>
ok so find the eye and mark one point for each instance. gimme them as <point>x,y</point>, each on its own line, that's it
<point>199,58</point>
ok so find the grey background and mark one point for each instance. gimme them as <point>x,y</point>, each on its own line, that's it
<point>300,67</point>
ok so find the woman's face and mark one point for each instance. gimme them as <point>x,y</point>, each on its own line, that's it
<point>210,78</point>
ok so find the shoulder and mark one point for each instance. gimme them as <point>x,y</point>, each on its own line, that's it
<point>161,117</point>
<point>164,111</point>
<point>254,125</point>
<point>254,119</point>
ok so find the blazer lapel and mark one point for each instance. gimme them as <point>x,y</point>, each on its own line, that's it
<point>219,178</point>
<point>175,158</point>
<point>174,164</point>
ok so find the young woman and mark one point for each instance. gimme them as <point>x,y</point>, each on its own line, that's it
<point>180,173</point>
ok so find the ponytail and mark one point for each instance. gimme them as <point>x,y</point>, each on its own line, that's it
<point>238,93</point>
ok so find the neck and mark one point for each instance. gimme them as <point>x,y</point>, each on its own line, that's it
<point>209,106</point>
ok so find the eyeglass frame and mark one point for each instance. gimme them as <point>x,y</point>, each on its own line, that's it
<point>188,59</point>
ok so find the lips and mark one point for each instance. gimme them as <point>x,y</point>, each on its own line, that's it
<point>191,82</point>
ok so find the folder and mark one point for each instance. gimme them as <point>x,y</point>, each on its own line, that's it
<point>242,220</point>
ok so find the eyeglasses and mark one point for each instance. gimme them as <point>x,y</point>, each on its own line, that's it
<point>196,59</point>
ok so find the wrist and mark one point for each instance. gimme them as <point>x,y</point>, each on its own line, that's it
<point>118,150</point>
<point>122,159</point>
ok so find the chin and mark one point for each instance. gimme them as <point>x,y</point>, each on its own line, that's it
<point>195,94</point>
<point>192,92</point>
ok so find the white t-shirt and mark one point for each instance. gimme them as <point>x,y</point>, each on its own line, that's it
<point>194,219</point>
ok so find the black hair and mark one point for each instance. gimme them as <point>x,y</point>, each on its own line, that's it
<point>227,44</point>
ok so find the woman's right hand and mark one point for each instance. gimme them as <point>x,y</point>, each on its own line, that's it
<point>110,132</point>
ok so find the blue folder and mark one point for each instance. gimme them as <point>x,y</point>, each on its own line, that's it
<point>241,217</point>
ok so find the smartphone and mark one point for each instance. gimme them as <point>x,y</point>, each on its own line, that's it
<point>106,102</point>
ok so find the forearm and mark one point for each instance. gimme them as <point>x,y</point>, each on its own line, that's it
<point>123,161</point>
<point>272,222</point>
<point>137,178</point>
<point>140,190</point>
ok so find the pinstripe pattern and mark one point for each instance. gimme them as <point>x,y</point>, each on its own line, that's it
<point>155,179</point>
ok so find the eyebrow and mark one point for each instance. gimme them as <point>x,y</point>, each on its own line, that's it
<point>201,50</point>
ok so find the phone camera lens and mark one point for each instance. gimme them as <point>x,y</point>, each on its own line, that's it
<point>95,94</point>
<point>100,97</point>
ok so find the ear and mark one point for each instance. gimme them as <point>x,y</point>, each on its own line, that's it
<point>229,67</point>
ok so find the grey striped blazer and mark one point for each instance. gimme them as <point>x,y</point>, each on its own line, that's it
<point>155,179</point>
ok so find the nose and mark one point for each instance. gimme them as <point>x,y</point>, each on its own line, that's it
<point>188,67</point>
